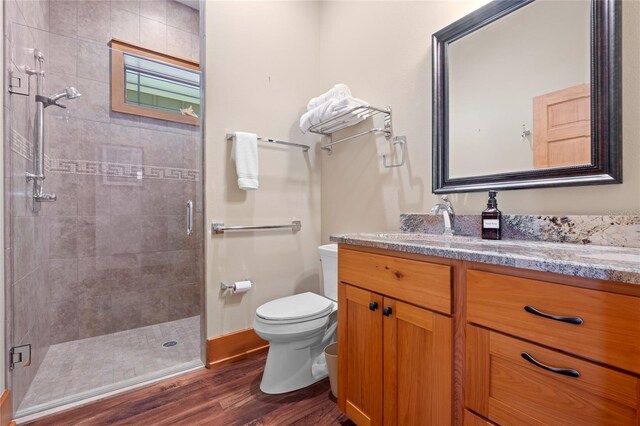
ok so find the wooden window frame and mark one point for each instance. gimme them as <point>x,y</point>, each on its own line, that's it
<point>118,101</point>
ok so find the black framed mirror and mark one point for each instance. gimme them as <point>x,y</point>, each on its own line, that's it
<point>526,94</point>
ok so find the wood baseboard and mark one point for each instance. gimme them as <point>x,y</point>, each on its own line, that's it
<point>6,413</point>
<point>231,347</point>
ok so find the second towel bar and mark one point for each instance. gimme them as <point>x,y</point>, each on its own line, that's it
<point>219,227</point>
<point>305,148</point>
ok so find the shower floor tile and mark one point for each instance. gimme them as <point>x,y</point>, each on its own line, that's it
<point>79,369</point>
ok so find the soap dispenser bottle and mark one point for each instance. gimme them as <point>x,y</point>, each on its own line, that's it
<point>491,219</point>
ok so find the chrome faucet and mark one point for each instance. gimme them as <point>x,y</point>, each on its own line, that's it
<point>447,211</point>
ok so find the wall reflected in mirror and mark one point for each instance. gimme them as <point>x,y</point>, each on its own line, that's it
<point>519,92</point>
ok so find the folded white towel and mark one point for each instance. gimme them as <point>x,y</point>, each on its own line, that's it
<point>316,115</point>
<point>245,154</point>
<point>344,104</point>
<point>329,109</point>
<point>338,91</point>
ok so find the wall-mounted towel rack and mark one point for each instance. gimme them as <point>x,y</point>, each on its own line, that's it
<point>354,116</point>
<point>219,227</point>
<point>305,148</point>
<point>346,119</point>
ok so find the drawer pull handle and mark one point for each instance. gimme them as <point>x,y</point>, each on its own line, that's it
<point>570,320</point>
<point>387,311</point>
<point>564,371</point>
<point>373,306</point>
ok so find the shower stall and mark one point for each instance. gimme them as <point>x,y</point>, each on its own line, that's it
<point>103,217</point>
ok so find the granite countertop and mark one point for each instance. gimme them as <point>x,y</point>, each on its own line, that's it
<point>621,264</point>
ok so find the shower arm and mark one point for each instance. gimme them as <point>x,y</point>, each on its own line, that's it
<point>47,102</point>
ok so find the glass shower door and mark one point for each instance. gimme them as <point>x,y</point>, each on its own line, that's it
<point>105,283</point>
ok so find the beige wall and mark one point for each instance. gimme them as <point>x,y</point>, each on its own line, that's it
<point>266,59</point>
<point>262,67</point>
<point>388,61</point>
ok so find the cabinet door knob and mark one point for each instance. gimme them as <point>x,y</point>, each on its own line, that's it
<point>386,311</point>
<point>373,306</point>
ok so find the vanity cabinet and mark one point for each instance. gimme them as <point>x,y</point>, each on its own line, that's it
<point>395,354</point>
<point>437,341</point>
<point>540,352</point>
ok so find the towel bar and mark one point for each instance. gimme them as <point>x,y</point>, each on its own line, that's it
<point>305,148</point>
<point>219,227</point>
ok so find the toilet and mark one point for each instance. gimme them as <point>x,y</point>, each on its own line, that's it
<point>298,329</point>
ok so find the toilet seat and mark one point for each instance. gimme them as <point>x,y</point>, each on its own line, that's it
<point>295,309</point>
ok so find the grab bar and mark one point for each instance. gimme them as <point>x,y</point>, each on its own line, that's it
<point>38,122</point>
<point>219,227</point>
<point>38,137</point>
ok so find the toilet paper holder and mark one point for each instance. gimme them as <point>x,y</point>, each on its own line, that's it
<point>224,286</point>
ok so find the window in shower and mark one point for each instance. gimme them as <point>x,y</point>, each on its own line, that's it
<point>152,84</point>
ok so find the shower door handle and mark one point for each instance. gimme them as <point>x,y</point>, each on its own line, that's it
<point>189,217</point>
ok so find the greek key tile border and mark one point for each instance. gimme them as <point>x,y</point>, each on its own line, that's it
<point>21,146</point>
<point>99,168</point>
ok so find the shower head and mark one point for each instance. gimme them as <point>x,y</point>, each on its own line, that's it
<point>69,92</point>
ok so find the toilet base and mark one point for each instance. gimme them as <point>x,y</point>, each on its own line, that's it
<point>294,365</point>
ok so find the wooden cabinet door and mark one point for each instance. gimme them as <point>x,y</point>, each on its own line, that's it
<point>417,366</point>
<point>360,355</point>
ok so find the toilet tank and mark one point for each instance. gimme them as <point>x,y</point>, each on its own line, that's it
<point>329,260</point>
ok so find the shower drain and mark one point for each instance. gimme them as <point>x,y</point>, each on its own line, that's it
<point>169,343</point>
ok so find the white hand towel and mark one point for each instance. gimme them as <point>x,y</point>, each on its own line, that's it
<point>245,153</point>
<point>338,91</point>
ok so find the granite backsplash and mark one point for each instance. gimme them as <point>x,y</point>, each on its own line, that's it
<point>619,231</point>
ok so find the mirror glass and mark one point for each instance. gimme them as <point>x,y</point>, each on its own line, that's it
<point>526,94</point>
<point>519,92</point>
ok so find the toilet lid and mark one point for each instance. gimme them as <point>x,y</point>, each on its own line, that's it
<point>297,307</point>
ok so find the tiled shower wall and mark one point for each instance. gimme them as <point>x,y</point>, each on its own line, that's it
<point>112,253</point>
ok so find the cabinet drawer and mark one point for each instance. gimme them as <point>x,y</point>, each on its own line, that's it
<point>509,390</point>
<point>420,283</point>
<point>610,328</point>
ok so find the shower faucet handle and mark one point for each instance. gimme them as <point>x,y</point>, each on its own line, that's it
<point>41,197</point>
<point>46,198</point>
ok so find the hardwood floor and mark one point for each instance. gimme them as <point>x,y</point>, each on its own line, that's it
<point>228,396</point>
